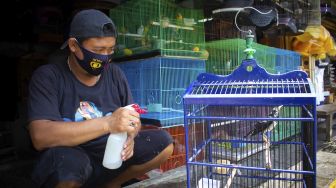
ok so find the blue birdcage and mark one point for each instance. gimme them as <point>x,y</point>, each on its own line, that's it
<point>238,129</point>
<point>159,83</point>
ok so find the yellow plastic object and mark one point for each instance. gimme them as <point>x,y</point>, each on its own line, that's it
<point>317,41</point>
<point>333,184</point>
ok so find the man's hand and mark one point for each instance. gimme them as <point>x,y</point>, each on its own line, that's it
<point>137,127</point>
<point>123,120</point>
<point>128,149</point>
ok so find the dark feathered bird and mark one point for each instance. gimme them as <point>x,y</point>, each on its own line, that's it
<point>263,126</point>
<point>260,127</point>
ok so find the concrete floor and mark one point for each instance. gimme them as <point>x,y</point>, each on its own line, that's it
<point>326,169</point>
<point>326,161</point>
<point>18,175</point>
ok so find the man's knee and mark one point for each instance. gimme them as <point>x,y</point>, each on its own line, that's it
<point>62,164</point>
<point>68,184</point>
<point>169,150</point>
<point>149,144</point>
<point>168,146</point>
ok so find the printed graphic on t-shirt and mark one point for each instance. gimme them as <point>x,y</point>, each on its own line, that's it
<point>87,110</point>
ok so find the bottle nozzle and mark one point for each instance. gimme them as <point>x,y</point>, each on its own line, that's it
<point>137,108</point>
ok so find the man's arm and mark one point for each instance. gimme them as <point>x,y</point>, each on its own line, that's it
<point>46,133</point>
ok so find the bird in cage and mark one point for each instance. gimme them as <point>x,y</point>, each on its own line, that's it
<point>140,30</point>
<point>264,126</point>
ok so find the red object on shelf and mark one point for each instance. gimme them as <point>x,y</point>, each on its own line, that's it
<point>173,162</point>
<point>178,158</point>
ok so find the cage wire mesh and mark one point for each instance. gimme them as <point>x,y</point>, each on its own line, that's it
<point>226,55</point>
<point>234,123</point>
<point>158,25</point>
<point>295,15</point>
<point>154,85</point>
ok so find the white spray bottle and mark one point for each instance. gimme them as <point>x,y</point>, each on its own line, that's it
<point>115,142</point>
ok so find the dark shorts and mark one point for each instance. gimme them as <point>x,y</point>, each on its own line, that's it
<point>84,164</point>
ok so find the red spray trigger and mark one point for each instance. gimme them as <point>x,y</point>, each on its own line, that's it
<point>137,108</point>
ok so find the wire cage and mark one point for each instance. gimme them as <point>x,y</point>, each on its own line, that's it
<point>226,55</point>
<point>154,85</point>
<point>158,26</point>
<point>298,14</point>
<point>258,129</point>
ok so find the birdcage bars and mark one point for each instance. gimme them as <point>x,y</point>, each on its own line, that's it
<point>226,139</point>
<point>161,26</point>
<point>154,85</point>
<point>241,116</point>
<point>226,55</point>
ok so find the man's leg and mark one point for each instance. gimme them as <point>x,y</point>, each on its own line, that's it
<point>68,184</point>
<point>62,167</point>
<point>138,170</point>
<point>152,148</point>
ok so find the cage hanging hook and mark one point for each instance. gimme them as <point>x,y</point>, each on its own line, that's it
<point>249,37</point>
<point>249,31</point>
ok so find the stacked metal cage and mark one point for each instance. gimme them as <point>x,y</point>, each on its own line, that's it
<point>234,124</point>
<point>154,85</point>
<point>158,26</point>
<point>226,55</point>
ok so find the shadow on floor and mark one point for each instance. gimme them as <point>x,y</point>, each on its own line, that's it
<point>17,174</point>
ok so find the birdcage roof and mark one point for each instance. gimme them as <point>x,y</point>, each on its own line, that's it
<point>250,81</point>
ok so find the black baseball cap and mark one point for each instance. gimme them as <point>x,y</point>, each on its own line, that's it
<point>91,23</point>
